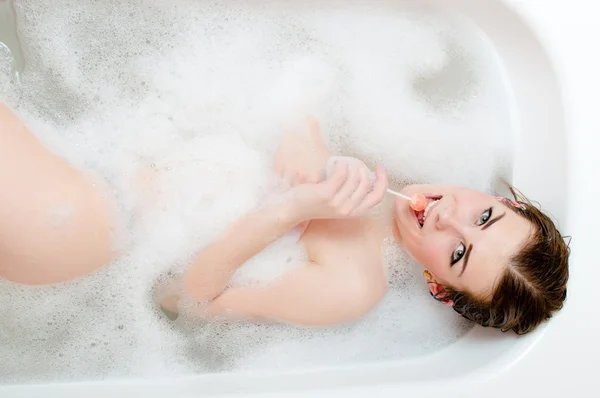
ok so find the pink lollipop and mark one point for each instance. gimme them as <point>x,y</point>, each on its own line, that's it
<point>418,202</point>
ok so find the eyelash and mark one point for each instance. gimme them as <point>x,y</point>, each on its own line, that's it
<point>461,248</point>
<point>487,213</point>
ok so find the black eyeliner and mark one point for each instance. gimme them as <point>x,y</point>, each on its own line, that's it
<point>491,211</point>
<point>452,262</point>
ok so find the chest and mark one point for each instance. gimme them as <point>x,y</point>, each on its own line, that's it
<point>350,242</point>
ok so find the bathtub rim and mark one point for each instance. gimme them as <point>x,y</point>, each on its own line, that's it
<point>541,340</point>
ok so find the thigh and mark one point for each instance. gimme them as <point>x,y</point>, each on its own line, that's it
<point>55,222</point>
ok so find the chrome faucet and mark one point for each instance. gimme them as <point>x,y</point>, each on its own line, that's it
<point>9,35</point>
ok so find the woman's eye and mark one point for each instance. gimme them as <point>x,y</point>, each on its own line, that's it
<point>485,217</point>
<point>457,254</point>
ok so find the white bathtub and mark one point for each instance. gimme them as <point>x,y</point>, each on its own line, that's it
<point>543,44</point>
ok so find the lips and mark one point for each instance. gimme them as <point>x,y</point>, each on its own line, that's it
<point>420,215</point>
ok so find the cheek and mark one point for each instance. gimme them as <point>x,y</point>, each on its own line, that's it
<point>429,255</point>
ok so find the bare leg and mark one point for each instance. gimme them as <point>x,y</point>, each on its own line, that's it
<point>56,223</point>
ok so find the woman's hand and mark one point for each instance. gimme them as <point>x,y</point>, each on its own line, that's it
<point>348,192</point>
<point>302,156</point>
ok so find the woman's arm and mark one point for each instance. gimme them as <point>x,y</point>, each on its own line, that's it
<point>212,268</point>
<point>300,158</point>
<point>312,295</point>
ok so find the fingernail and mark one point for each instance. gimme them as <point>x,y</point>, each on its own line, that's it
<point>380,168</point>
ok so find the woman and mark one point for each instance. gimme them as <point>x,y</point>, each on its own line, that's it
<point>498,262</point>
<point>57,224</point>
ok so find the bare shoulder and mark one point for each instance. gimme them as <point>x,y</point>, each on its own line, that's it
<point>352,249</point>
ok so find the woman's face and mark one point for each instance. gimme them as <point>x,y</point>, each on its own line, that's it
<point>465,238</point>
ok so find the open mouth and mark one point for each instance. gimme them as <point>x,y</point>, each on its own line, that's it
<point>432,200</point>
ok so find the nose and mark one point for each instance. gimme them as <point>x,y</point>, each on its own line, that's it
<point>446,219</point>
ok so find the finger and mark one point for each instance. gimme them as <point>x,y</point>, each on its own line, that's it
<point>342,197</point>
<point>377,194</point>
<point>337,179</point>
<point>313,125</point>
<point>299,178</point>
<point>287,178</point>
<point>314,177</point>
<point>362,190</point>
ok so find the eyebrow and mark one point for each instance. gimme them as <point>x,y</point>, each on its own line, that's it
<point>486,226</point>
<point>466,259</point>
<point>492,222</point>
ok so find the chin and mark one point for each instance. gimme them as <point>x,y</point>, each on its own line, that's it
<point>410,253</point>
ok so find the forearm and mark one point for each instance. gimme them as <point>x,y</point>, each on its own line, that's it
<point>311,295</point>
<point>213,267</point>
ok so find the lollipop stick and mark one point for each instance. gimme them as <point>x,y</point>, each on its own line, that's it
<point>398,194</point>
<point>418,201</point>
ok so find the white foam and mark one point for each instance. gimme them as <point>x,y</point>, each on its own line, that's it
<point>179,105</point>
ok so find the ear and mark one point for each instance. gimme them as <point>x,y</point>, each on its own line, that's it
<point>439,292</point>
<point>509,202</point>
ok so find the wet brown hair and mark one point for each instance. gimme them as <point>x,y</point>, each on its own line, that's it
<point>533,286</point>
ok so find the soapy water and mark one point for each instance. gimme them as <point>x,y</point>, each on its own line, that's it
<point>195,94</point>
